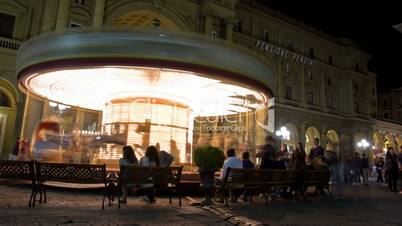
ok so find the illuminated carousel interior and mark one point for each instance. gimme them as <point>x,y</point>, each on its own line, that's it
<point>88,114</point>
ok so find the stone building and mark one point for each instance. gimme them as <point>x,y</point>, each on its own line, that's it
<point>321,89</point>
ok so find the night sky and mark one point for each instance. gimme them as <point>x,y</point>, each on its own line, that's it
<point>368,23</point>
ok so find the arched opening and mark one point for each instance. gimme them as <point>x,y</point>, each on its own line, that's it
<point>389,141</point>
<point>7,120</point>
<point>293,138</point>
<point>332,141</point>
<point>145,19</point>
<point>398,140</point>
<point>378,144</point>
<point>311,134</point>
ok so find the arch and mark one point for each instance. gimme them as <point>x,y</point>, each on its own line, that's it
<point>10,89</point>
<point>389,140</point>
<point>332,141</point>
<point>311,134</point>
<point>378,143</point>
<point>8,111</point>
<point>398,140</point>
<point>293,137</point>
<point>113,14</point>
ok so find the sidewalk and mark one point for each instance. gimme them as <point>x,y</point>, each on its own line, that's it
<point>358,206</point>
<point>84,208</point>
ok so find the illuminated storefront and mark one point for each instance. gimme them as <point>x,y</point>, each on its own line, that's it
<point>139,88</point>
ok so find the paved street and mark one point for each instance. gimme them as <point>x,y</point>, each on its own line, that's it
<point>358,206</point>
<point>84,208</point>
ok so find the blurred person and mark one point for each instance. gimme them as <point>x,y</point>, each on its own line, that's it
<point>230,162</point>
<point>267,153</point>
<point>16,149</point>
<point>365,169</point>
<point>282,157</point>
<point>317,154</point>
<point>357,168</point>
<point>298,158</point>
<point>247,164</point>
<point>151,158</point>
<point>166,159</point>
<point>128,159</point>
<point>392,165</point>
<point>379,168</point>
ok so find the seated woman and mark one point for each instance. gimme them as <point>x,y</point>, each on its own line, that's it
<point>151,158</point>
<point>129,159</point>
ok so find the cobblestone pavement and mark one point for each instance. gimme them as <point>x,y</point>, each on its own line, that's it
<point>84,208</point>
<point>356,206</point>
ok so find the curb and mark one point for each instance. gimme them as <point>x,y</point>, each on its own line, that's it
<point>228,215</point>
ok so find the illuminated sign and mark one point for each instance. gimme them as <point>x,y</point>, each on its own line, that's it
<point>278,51</point>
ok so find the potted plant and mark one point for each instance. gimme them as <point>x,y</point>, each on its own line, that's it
<point>208,159</point>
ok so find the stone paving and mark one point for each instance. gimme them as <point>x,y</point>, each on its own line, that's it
<point>84,208</point>
<point>356,206</point>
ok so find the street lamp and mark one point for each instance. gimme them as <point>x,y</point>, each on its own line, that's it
<point>284,133</point>
<point>363,144</point>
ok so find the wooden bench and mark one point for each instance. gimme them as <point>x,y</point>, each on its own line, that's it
<point>18,171</point>
<point>52,174</point>
<point>269,182</point>
<point>163,177</point>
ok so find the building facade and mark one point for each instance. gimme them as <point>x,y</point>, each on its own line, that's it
<point>322,87</point>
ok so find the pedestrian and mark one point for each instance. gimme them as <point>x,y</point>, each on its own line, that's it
<point>282,158</point>
<point>298,158</point>
<point>365,169</point>
<point>357,168</point>
<point>317,155</point>
<point>379,168</point>
<point>230,162</point>
<point>267,154</point>
<point>151,158</point>
<point>16,149</point>
<point>247,164</point>
<point>392,164</point>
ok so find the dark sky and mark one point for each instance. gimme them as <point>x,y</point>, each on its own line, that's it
<point>368,23</point>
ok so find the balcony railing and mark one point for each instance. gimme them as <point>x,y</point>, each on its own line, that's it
<point>9,43</point>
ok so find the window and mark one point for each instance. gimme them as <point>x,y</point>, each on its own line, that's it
<point>329,82</point>
<point>309,76</point>
<point>214,34</point>
<point>80,2</point>
<point>330,60</point>
<point>310,98</point>
<point>288,92</point>
<point>385,103</point>
<point>357,108</point>
<point>6,25</point>
<point>4,100</point>
<point>265,36</point>
<point>290,44</point>
<point>237,26</point>
<point>329,102</point>
<point>386,115</point>
<point>75,25</point>
<point>311,53</point>
<point>357,66</point>
<point>288,68</point>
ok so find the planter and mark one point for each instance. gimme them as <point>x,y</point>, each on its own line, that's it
<point>207,185</point>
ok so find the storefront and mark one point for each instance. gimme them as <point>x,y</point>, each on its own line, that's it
<point>90,93</point>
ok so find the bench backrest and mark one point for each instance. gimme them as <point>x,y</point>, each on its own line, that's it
<point>312,176</point>
<point>250,177</point>
<point>23,170</point>
<point>150,175</point>
<point>71,173</point>
<point>281,176</point>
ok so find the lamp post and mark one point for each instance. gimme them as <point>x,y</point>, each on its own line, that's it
<point>284,133</point>
<point>363,144</point>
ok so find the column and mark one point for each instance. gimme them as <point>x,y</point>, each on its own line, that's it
<point>302,88</point>
<point>49,15</point>
<point>98,13</point>
<point>229,29</point>
<point>62,14</point>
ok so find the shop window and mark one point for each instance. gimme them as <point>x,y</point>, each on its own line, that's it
<point>310,98</point>
<point>288,92</point>
<point>4,100</point>
<point>265,36</point>
<point>6,25</point>
<point>311,53</point>
<point>237,26</point>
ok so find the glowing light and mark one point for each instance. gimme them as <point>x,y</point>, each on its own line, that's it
<point>284,132</point>
<point>94,87</point>
<point>363,144</point>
